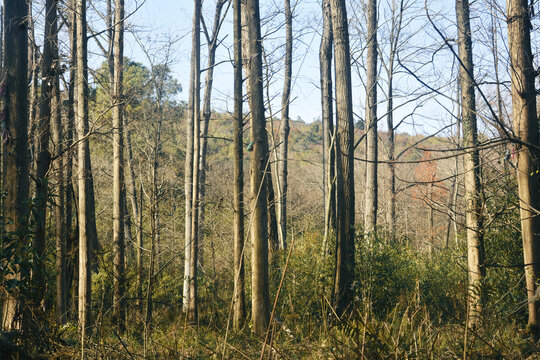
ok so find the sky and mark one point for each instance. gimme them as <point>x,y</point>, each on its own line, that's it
<point>158,21</point>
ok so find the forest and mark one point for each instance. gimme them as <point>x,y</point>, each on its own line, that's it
<point>401,222</point>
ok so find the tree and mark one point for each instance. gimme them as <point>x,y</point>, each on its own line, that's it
<point>329,154</point>
<point>118,164</point>
<point>475,243</point>
<point>192,172</point>
<point>344,272</point>
<point>370,222</point>
<point>284,129</point>
<point>13,87</point>
<point>260,300</point>
<point>86,206</point>
<point>239,308</point>
<point>526,129</point>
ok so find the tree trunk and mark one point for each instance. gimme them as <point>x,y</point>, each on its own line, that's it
<point>206,113</point>
<point>190,158</point>
<point>136,209</point>
<point>15,143</point>
<point>284,129</point>
<point>394,42</point>
<point>43,153</point>
<point>83,178</point>
<point>239,301</point>
<point>118,171</point>
<point>192,311</point>
<point>370,223</point>
<point>526,128</point>
<point>329,154</point>
<point>344,272</point>
<point>473,217</point>
<point>260,301</point>
<point>71,234</point>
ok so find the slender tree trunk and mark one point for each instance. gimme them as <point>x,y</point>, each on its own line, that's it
<point>83,173</point>
<point>118,172</point>
<point>190,158</point>
<point>284,129</point>
<point>526,128</point>
<point>370,223</point>
<point>473,220</point>
<point>344,273</point>
<point>43,153</point>
<point>273,237</point>
<point>239,307</point>
<point>206,113</point>
<point>136,209</point>
<point>394,42</point>
<point>260,300</point>
<point>329,155</point>
<point>58,142</point>
<point>15,143</point>
<point>192,312</point>
<point>69,195</point>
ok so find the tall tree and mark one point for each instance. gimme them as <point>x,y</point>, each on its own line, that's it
<point>473,218</point>
<point>192,311</point>
<point>14,118</point>
<point>260,300</point>
<point>48,75</point>
<point>344,272</point>
<point>284,130</point>
<point>86,205</point>
<point>118,167</point>
<point>239,309</point>
<point>370,222</point>
<point>329,154</point>
<point>213,43</point>
<point>60,198</point>
<point>528,161</point>
<point>395,31</point>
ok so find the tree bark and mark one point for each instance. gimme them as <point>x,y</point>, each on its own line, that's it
<point>526,129</point>
<point>370,222</point>
<point>43,153</point>
<point>344,272</point>
<point>260,300</point>
<point>329,154</point>
<point>239,301</point>
<point>206,114</point>
<point>284,129</point>
<point>473,217</point>
<point>15,142</point>
<point>118,168</point>
<point>85,184</point>
<point>192,311</point>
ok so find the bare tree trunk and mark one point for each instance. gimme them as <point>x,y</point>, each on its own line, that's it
<point>370,224</point>
<point>526,128</point>
<point>83,173</point>
<point>344,273</point>
<point>118,173</point>
<point>475,242</point>
<point>136,209</point>
<point>239,308</point>
<point>206,113</point>
<point>394,42</point>
<point>71,234</point>
<point>15,142</point>
<point>260,300</point>
<point>273,237</point>
<point>329,154</point>
<point>192,117</point>
<point>192,311</point>
<point>284,129</point>
<point>43,153</point>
